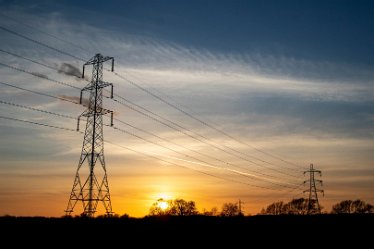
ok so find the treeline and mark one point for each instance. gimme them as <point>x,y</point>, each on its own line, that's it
<point>181,207</point>
<point>301,206</point>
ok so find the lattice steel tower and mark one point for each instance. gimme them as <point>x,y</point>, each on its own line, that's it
<point>91,183</point>
<point>313,204</point>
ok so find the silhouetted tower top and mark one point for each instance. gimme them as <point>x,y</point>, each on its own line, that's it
<point>313,203</point>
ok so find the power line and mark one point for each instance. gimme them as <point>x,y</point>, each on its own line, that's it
<point>39,75</point>
<point>190,110</point>
<point>281,196</point>
<point>155,96</point>
<point>59,82</point>
<point>181,129</point>
<point>33,61</point>
<point>155,135</point>
<point>52,96</point>
<point>160,159</point>
<point>39,93</point>
<point>192,150</point>
<point>64,99</point>
<point>204,163</point>
<point>48,47</point>
<point>63,128</point>
<point>149,92</point>
<point>45,33</point>
<point>211,143</point>
<point>37,123</point>
<point>136,85</point>
<point>202,172</point>
<point>40,43</point>
<point>38,63</point>
<point>201,121</point>
<point>36,109</point>
<point>68,129</point>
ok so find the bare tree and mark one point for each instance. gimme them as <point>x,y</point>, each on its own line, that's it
<point>370,208</point>
<point>296,206</point>
<point>230,209</point>
<point>300,207</point>
<point>359,207</point>
<point>159,210</point>
<point>213,212</point>
<point>343,207</point>
<point>177,207</point>
<point>275,208</point>
<point>181,207</point>
<point>352,207</point>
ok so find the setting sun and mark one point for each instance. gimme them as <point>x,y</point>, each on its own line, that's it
<point>163,201</point>
<point>163,204</point>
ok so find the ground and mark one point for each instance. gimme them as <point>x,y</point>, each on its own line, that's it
<point>196,231</point>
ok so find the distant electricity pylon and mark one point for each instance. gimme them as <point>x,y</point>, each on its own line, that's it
<point>91,183</point>
<point>313,204</point>
<point>240,203</point>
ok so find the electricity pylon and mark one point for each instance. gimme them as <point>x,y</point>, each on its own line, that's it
<point>91,183</point>
<point>313,204</point>
<point>240,212</point>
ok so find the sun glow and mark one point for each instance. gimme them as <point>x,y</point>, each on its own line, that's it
<point>163,204</point>
<point>163,201</point>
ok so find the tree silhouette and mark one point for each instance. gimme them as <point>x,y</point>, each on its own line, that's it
<point>352,207</point>
<point>212,212</point>
<point>370,208</point>
<point>297,207</point>
<point>294,207</point>
<point>125,216</point>
<point>177,207</point>
<point>230,209</point>
<point>181,207</point>
<point>343,207</point>
<point>361,207</point>
<point>275,208</point>
<point>157,209</point>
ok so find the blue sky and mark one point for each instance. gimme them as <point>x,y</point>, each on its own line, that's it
<point>338,31</point>
<point>294,78</point>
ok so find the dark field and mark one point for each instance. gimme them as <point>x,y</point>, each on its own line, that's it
<point>285,231</point>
